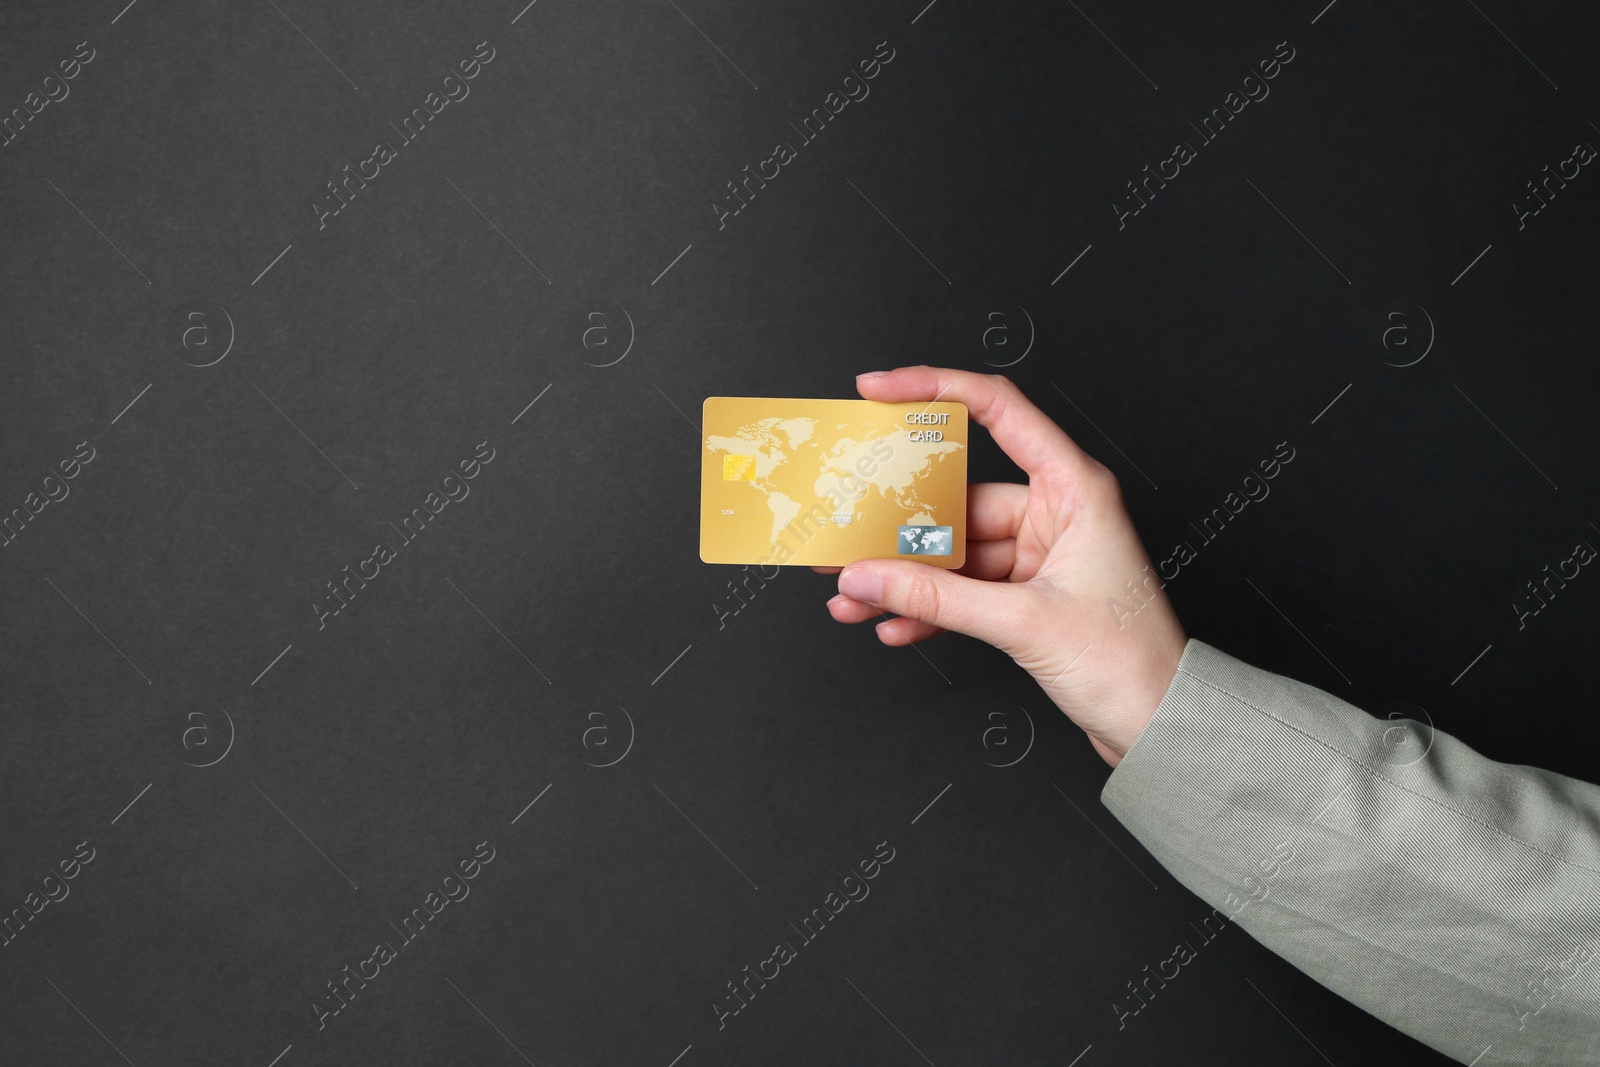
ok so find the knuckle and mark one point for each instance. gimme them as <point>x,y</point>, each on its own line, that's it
<point>1002,383</point>
<point>993,408</point>
<point>1107,485</point>
<point>922,598</point>
<point>1032,617</point>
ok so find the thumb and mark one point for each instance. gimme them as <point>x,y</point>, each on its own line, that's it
<point>999,613</point>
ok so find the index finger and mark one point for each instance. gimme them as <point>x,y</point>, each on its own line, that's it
<point>1026,434</point>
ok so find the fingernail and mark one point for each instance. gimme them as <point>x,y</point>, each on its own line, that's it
<point>871,374</point>
<point>861,584</point>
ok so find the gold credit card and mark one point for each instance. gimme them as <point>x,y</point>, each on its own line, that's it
<point>823,483</point>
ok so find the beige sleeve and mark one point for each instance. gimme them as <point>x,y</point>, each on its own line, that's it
<point>1456,898</point>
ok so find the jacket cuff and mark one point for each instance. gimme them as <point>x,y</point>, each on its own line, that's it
<point>1387,860</point>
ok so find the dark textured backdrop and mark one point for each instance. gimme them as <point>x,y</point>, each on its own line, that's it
<point>264,390</point>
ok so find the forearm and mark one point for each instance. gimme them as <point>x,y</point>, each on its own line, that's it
<point>1456,898</point>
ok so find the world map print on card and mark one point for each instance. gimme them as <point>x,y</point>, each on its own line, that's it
<point>827,482</point>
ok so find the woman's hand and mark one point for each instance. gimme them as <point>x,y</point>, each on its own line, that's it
<point>1045,562</point>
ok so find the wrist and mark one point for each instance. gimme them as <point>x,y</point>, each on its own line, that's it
<point>1152,680</point>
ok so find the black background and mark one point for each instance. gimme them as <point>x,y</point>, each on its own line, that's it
<point>458,687</point>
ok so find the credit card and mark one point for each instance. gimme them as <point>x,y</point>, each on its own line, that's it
<point>823,483</point>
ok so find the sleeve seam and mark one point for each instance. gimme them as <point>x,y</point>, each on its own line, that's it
<point>1384,778</point>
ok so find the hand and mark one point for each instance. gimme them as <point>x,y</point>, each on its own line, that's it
<point>1044,561</point>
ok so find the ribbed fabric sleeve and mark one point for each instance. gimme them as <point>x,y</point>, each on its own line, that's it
<point>1456,898</point>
